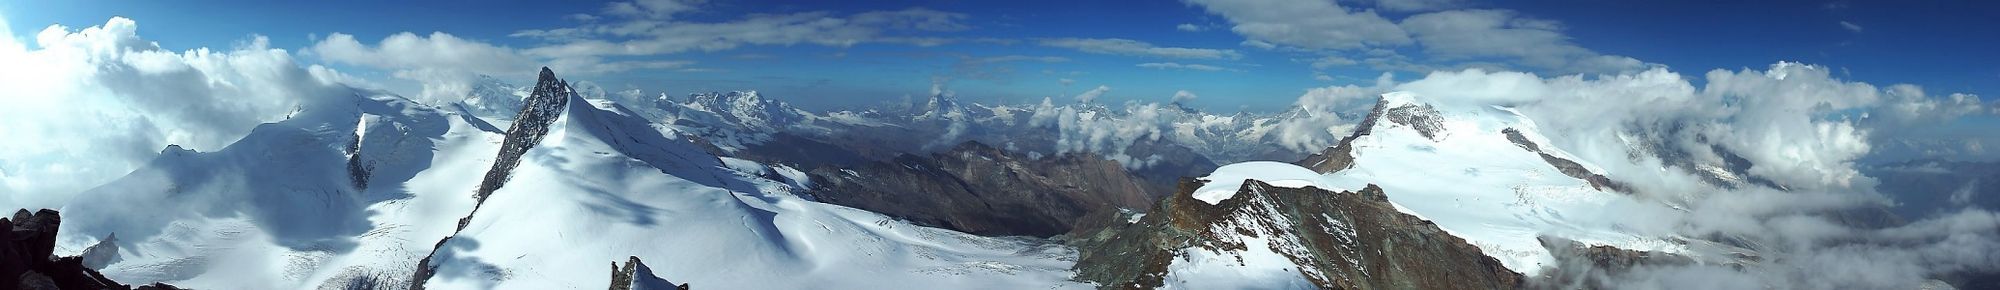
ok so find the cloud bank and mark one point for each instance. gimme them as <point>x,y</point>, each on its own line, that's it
<point>85,106</point>
<point>1799,128</point>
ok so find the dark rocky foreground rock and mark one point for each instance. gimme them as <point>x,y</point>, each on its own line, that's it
<point>27,259</point>
<point>984,190</point>
<point>1339,240</point>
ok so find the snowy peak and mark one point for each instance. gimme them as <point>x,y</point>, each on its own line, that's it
<point>745,109</point>
<point>941,106</point>
<point>635,275</point>
<point>1486,174</point>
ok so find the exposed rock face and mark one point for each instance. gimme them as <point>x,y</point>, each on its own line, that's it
<point>984,190</point>
<point>1341,155</point>
<point>636,276</point>
<point>26,261</point>
<point>1423,118</point>
<point>542,108</point>
<point>1338,240</point>
<point>1567,167</point>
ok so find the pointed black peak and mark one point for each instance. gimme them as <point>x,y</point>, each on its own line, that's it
<point>546,75</point>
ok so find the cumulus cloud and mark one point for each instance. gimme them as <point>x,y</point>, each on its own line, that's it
<point>1122,46</point>
<point>1181,66</point>
<point>1323,115</point>
<point>1109,135</point>
<point>1092,94</point>
<point>89,105</point>
<point>444,65</point>
<point>1190,27</point>
<point>1798,127</point>
<point>1184,96</point>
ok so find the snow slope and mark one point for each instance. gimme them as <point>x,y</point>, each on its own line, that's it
<point>605,184</point>
<point>284,207</point>
<point>1476,184</point>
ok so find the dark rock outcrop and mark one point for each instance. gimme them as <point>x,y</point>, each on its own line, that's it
<point>636,276</point>
<point>543,106</point>
<point>27,261</point>
<point>1339,240</point>
<point>985,190</point>
<point>1341,155</point>
<point>1567,167</point>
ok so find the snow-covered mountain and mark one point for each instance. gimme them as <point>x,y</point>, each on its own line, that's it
<point>1486,174</point>
<point>492,99</point>
<point>358,192</point>
<point>341,191</point>
<point>605,183</point>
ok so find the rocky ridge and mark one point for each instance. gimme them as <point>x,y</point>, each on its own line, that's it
<point>1333,240</point>
<point>27,259</point>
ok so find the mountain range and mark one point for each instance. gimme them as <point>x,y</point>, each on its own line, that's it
<point>538,187</point>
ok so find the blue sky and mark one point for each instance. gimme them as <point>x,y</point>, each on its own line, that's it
<point>1012,51</point>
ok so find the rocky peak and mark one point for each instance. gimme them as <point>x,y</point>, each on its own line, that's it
<point>543,106</point>
<point>1341,155</point>
<point>636,276</point>
<point>941,105</point>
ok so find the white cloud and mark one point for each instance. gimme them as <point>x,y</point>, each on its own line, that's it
<point>1306,24</point>
<point>92,104</point>
<point>1332,61</point>
<point>1850,26</point>
<point>1258,44</point>
<point>1797,125</point>
<point>1174,65</point>
<point>1092,94</point>
<point>1190,27</point>
<point>1467,34</point>
<point>1184,96</point>
<point>1138,48</point>
<point>1328,113</point>
<point>445,66</point>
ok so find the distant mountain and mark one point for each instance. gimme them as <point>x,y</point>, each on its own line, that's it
<point>984,190</point>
